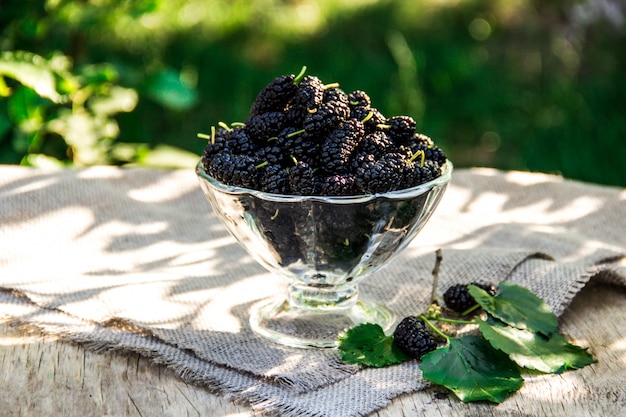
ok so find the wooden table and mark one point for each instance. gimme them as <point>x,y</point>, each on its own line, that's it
<point>44,376</point>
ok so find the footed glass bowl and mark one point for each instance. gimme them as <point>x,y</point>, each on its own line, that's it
<point>323,246</point>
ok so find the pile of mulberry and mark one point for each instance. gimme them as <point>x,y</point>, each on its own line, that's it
<point>304,137</point>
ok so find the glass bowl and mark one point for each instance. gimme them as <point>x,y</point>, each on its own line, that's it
<point>323,246</point>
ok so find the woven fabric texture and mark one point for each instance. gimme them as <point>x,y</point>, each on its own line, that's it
<point>136,260</point>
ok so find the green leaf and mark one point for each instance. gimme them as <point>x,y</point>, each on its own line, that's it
<point>167,88</point>
<point>367,344</point>
<point>471,368</point>
<point>119,99</point>
<point>31,70</point>
<point>534,351</point>
<point>517,307</point>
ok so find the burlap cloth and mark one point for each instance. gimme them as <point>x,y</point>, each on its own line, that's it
<point>135,260</point>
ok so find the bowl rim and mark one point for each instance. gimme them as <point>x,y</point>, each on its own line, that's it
<point>441,180</point>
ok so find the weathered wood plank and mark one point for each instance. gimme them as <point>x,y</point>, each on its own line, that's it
<point>43,376</point>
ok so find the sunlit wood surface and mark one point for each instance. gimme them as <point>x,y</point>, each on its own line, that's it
<point>44,376</point>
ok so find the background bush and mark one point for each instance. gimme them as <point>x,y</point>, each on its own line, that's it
<point>511,84</point>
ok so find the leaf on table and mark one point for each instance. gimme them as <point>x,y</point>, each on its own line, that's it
<point>532,350</point>
<point>367,344</point>
<point>474,370</point>
<point>517,307</point>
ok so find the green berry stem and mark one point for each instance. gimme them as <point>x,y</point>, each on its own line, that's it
<point>300,75</point>
<point>470,310</point>
<point>331,85</point>
<point>422,156</point>
<point>297,132</point>
<point>237,124</point>
<point>204,136</point>
<point>369,116</point>
<point>225,126</point>
<point>435,328</point>
<point>454,321</point>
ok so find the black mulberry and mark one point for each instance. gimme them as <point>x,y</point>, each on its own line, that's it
<point>359,98</point>
<point>237,170</point>
<point>238,141</point>
<point>377,144</point>
<point>370,116</point>
<point>400,128</point>
<point>261,127</point>
<point>299,146</point>
<point>324,118</point>
<point>339,185</point>
<point>274,179</point>
<point>302,181</point>
<point>457,297</point>
<point>310,93</point>
<point>412,337</point>
<point>380,176</point>
<point>275,95</point>
<point>340,145</point>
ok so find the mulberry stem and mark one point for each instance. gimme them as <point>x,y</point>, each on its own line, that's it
<point>435,328</point>
<point>422,156</point>
<point>471,309</point>
<point>454,321</point>
<point>369,116</point>
<point>225,126</point>
<point>210,137</point>
<point>297,132</point>
<point>298,77</point>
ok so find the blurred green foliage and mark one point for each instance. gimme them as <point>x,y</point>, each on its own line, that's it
<point>511,84</point>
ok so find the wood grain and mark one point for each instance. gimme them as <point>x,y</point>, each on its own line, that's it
<point>43,376</point>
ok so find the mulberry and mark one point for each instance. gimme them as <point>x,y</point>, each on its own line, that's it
<point>299,146</point>
<point>359,98</point>
<point>412,337</point>
<point>457,297</point>
<point>334,94</point>
<point>302,181</point>
<point>380,176</point>
<point>339,146</point>
<point>238,141</point>
<point>275,179</point>
<point>339,185</point>
<point>370,117</point>
<point>275,95</point>
<point>324,118</point>
<point>217,143</point>
<point>310,93</point>
<point>400,128</point>
<point>237,170</point>
<point>261,127</point>
<point>431,152</point>
<point>377,144</point>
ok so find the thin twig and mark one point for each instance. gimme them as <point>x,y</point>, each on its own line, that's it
<point>438,259</point>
